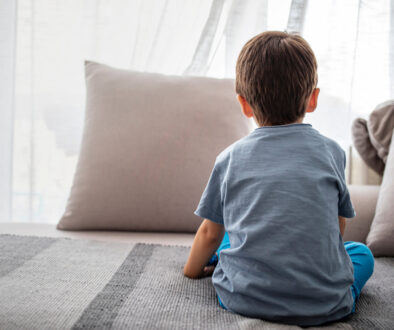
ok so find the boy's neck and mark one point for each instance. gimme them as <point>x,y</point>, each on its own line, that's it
<point>299,121</point>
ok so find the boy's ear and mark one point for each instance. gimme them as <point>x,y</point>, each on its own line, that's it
<point>313,100</point>
<point>246,108</point>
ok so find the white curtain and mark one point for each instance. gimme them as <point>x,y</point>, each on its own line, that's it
<point>43,44</point>
<point>7,76</point>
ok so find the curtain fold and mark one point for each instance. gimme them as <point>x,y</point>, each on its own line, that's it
<point>7,73</point>
<point>245,20</point>
<point>297,13</point>
<point>199,63</point>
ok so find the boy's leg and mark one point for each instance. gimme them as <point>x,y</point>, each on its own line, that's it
<point>215,258</point>
<point>361,256</point>
<point>224,245</point>
<point>363,264</point>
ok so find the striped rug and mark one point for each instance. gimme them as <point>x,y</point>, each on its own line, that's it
<point>60,283</point>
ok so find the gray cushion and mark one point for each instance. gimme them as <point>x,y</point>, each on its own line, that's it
<point>381,235</point>
<point>148,147</point>
<point>372,138</point>
<point>364,146</point>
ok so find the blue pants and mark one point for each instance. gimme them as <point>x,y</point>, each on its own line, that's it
<point>360,254</point>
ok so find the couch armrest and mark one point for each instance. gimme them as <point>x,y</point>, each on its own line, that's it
<point>364,200</point>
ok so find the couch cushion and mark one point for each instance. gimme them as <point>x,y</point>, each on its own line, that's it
<point>381,235</point>
<point>364,202</point>
<point>148,147</point>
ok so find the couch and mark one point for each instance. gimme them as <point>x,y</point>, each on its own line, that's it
<point>363,197</point>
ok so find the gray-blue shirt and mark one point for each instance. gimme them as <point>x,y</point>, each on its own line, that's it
<point>279,191</point>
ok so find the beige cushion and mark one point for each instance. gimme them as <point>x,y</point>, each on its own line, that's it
<point>148,147</point>
<point>381,235</point>
<point>364,199</point>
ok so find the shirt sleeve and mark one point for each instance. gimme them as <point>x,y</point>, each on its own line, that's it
<point>345,207</point>
<point>210,206</point>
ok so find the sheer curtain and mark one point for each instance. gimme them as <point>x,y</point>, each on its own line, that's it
<point>353,41</point>
<point>43,44</point>
<point>7,70</point>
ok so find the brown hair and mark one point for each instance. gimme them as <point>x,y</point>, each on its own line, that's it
<point>276,73</point>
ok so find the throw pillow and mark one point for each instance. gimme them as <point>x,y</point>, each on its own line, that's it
<point>381,235</point>
<point>148,147</point>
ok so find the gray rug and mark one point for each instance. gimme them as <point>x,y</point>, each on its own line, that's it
<point>59,283</point>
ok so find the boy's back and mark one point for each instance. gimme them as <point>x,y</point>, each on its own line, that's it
<point>276,191</point>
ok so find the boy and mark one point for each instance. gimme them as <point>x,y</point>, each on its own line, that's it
<point>278,197</point>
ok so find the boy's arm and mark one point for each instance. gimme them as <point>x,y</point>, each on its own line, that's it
<point>342,224</point>
<point>207,240</point>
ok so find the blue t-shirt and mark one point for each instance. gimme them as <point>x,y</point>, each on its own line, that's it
<point>278,192</point>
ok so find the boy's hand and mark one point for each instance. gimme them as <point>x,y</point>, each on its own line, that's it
<point>208,270</point>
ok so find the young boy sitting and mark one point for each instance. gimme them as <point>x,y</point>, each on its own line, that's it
<point>275,204</point>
